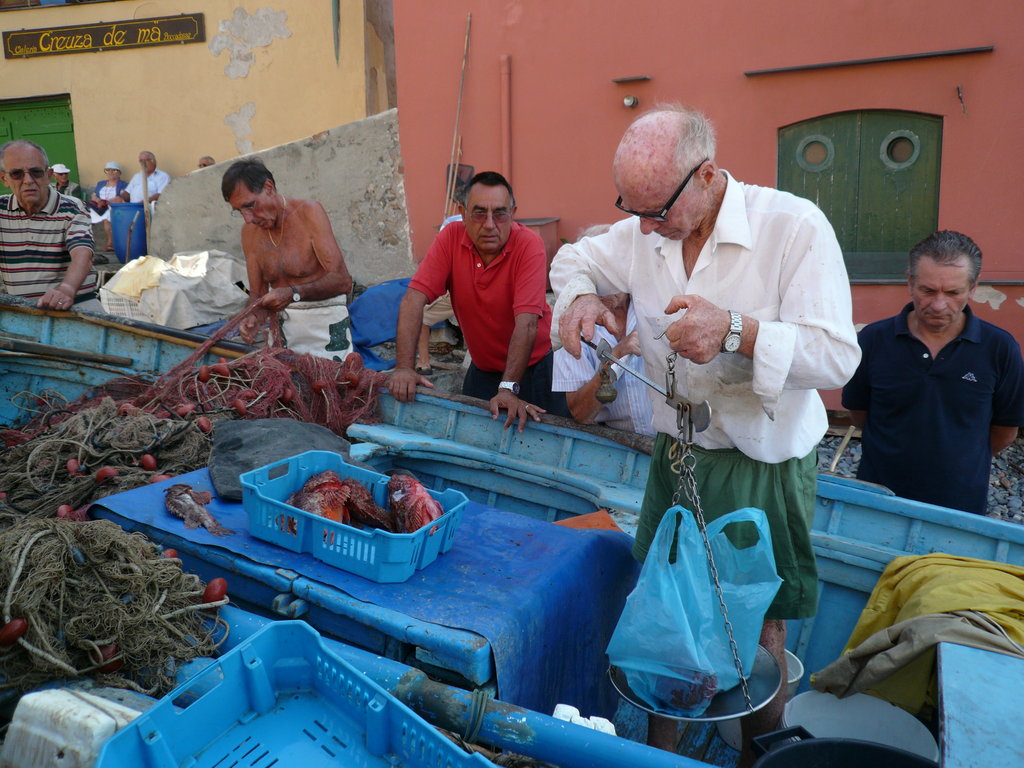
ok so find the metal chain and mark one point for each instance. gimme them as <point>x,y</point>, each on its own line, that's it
<point>683,464</point>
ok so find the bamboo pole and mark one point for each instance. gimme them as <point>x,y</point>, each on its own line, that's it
<point>453,166</point>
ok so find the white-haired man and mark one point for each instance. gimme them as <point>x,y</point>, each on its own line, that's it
<point>767,321</point>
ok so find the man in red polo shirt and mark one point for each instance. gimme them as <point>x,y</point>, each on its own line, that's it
<point>496,272</point>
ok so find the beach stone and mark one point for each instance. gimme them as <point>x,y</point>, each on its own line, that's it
<point>242,446</point>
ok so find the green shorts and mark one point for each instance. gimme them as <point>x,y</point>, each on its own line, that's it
<point>728,480</point>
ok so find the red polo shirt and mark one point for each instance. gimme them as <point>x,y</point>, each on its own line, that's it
<point>486,299</point>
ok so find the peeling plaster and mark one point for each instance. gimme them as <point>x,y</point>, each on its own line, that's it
<point>1021,301</point>
<point>241,126</point>
<point>244,32</point>
<point>986,294</point>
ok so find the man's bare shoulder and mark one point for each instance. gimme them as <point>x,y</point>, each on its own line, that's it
<point>306,208</point>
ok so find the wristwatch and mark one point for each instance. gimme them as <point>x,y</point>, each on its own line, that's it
<point>511,386</point>
<point>295,294</point>
<point>734,337</point>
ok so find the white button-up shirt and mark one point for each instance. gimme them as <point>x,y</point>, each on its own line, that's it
<point>772,256</point>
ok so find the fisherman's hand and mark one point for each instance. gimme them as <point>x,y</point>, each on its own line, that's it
<point>248,327</point>
<point>402,384</point>
<point>517,408</point>
<point>276,299</point>
<point>698,334</point>
<point>628,346</point>
<point>58,297</point>
<point>583,314</point>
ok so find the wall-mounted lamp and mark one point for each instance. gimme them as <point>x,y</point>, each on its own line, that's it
<point>631,101</point>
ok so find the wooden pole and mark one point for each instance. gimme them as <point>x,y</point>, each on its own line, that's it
<point>453,166</point>
<point>145,206</point>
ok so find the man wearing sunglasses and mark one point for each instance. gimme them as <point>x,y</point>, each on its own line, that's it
<point>747,286</point>
<point>46,243</point>
<point>496,272</point>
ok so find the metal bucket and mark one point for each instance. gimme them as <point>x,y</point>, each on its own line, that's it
<point>796,748</point>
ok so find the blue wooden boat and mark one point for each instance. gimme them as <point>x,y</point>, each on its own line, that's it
<point>551,471</point>
<point>71,352</point>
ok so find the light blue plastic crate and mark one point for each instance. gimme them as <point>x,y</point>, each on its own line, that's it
<point>281,699</point>
<point>371,553</point>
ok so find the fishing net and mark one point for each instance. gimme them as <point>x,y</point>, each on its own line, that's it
<point>98,602</point>
<point>170,420</point>
<point>60,466</point>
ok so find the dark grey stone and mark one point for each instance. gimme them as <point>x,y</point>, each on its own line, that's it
<point>241,446</point>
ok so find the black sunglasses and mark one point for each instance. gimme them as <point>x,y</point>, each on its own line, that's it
<point>663,214</point>
<point>19,173</point>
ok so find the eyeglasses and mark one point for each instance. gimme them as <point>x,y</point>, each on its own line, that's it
<point>500,216</point>
<point>243,209</point>
<point>663,214</point>
<point>19,173</point>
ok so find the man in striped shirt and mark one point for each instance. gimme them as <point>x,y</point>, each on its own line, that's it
<point>46,243</point>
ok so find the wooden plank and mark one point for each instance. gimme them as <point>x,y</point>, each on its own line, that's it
<point>981,696</point>
<point>49,350</point>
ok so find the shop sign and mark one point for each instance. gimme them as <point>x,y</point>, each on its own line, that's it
<point>136,33</point>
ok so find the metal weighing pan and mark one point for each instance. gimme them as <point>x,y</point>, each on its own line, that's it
<point>763,684</point>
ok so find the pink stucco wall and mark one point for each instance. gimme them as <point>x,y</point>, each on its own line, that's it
<point>565,114</point>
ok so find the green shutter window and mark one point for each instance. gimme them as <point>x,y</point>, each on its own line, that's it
<point>875,174</point>
<point>49,124</point>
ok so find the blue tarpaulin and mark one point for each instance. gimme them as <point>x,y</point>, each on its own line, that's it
<point>545,597</point>
<point>374,316</point>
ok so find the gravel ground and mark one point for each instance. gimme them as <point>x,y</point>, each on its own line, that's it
<point>1005,489</point>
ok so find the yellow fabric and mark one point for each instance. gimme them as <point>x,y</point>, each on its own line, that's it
<point>916,585</point>
<point>137,275</point>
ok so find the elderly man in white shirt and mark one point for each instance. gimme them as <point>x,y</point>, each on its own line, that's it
<point>747,286</point>
<point>156,180</point>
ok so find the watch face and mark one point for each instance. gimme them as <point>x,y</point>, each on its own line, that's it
<point>732,342</point>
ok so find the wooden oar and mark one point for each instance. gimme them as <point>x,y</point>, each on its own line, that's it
<point>34,348</point>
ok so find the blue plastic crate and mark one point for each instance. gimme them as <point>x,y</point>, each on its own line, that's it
<point>371,553</point>
<point>281,698</point>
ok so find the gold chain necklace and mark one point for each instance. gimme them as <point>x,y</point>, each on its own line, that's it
<point>284,213</point>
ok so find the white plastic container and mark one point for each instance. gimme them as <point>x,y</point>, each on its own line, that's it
<point>863,717</point>
<point>729,730</point>
<point>61,728</point>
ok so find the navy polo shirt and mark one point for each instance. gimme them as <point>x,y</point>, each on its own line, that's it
<point>927,431</point>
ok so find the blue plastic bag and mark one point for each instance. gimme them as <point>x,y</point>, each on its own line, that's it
<point>671,640</point>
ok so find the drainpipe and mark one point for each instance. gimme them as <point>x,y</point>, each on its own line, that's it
<point>506,116</point>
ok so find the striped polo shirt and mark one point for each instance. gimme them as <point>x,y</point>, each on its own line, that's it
<point>35,251</point>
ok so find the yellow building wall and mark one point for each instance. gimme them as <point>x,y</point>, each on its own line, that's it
<point>266,75</point>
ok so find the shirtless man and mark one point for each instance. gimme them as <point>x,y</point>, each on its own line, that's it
<point>293,261</point>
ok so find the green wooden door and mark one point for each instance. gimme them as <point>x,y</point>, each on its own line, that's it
<point>47,122</point>
<point>875,174</point>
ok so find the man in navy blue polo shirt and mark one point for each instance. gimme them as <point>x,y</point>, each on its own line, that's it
<point>938,390</point>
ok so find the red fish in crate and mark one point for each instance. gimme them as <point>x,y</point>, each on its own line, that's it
<point>323,494</point>
<point>411,504</point>
<point>363,509</point>
<point>342,500</point>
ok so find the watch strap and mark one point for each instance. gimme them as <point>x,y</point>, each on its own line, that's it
<point>734,336</point>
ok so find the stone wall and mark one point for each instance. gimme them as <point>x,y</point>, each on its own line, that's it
<point>353,170</point>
